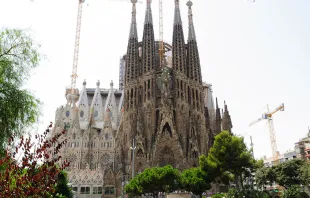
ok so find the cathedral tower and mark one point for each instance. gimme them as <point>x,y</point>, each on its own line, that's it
<point>164,107</point>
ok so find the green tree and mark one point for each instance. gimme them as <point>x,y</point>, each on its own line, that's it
<point>288,173</point>
<point>228,154</point>
<point>248,193</point>
<point>295,191</point>
<point>62,188</point>
<point>18,107</point>
<point>133,188</point>
<point>305,174</point>
<point>154,180</point>
<point>265,176</point>
<point>193,180</point>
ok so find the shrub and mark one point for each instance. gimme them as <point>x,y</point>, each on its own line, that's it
<point>248,193</point>
<point>295,192</point>
<point>35,175</point>
<point>218,195</point>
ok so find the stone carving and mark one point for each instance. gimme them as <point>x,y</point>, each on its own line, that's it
<point>163,82</point>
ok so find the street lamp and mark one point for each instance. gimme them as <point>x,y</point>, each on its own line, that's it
<point>133,148</point>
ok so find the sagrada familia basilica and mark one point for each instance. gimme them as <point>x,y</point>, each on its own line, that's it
<point>158,115</point>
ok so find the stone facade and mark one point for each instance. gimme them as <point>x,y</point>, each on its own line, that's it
<point>165,112</point>
<point>164,105</point>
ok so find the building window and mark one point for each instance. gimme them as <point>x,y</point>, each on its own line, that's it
<point>97,190</point>
<point>85,190</point>
<point>75,188</point>
<point>109,190</point>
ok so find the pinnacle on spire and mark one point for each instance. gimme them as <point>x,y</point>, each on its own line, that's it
<point>148,42</point>
<point>226,121</point>
<point>225,106</point>
<point>133,26</point>
<point>191,30</point>
<point>132,56</point>
<point>148,13</point>
<point>217,106</point>
<point>177,14</point>
<point>178,43</point>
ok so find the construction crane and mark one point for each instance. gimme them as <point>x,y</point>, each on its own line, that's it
<point>72,93</point>
<point>161,50</point>
<point>268,116</point>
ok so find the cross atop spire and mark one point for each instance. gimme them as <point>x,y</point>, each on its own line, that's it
<point>191,30</point>
<point>148,13</point>
<point>133,26</point>
<point>177,14</point>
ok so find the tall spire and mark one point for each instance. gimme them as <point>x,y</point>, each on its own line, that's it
<point>177,13</point>
<point>133,26</point>
<point>148,41</point>
<point>218,120</point>
<point>193,60</point>
<point>226,122</point>
<point>132,56</point>
<point>178,44</point>
<point>148,13</point>
<point>191,30</point>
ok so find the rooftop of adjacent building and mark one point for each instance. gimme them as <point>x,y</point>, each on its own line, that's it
<point>288,155</point>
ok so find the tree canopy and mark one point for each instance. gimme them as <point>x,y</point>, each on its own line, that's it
<point>227,157</point>
<point>193,180</point>
<point>154,180</point>
<point>18,107</point>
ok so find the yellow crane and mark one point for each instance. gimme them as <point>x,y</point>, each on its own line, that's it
<point>268,116</point>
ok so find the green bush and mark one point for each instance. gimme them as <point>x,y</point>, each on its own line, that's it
<point>248,193</point>
<point>295,192</point>
<point>219,195</point>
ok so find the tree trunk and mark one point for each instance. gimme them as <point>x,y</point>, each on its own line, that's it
<point>241,182</point>
<point>237,182</point>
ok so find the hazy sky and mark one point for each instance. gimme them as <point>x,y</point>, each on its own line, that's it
<point>253,53</point>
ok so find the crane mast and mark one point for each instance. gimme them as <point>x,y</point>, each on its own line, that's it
<point>268,116</point>
<point>72,93</point>
<point>272,135</point>
<point>161,34</point>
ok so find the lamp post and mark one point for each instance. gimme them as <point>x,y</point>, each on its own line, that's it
<point>133,148</point>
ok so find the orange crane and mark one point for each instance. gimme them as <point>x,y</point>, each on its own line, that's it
<point>72,93</point>
<point>268,116</point>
